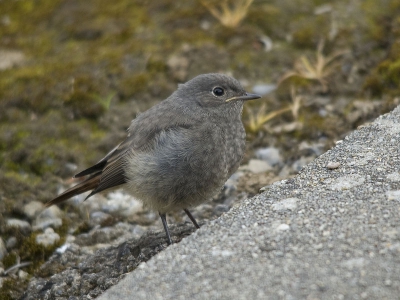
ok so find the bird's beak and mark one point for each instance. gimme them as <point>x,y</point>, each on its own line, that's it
<point>245,97</point>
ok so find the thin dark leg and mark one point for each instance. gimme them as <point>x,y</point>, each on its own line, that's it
<point>192,218</point>
<point>164,222</point>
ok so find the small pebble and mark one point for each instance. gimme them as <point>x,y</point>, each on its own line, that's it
<point>32,209</point>
<point>11,242</point>
<point>333,165</point>
<point>115,203</point>
<point>24,226</point>
<point>43,224</point>
<point>99,218</point>
<point>63,248</point>
<point>22,275</point>
<point>50,217</point>
<point>221,208</point>
<point>48,238</point>
<point>257,166</point>
<point>270,154</point>
<point>283,227</point>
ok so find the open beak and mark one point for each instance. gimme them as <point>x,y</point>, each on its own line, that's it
<point>245,97</point>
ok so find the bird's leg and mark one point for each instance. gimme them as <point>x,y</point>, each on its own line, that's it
<point>164,221</point>
<point>192,218</point>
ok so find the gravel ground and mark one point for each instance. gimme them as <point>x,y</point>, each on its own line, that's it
<point>329,233</point>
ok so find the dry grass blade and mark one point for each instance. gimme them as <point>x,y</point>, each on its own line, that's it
<point>16,267</point>
<point>296,99</point>
<point>229,12</point>
<point>257,120</point>
<point>317,69</point>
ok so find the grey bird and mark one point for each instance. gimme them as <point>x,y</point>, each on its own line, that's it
<point>180,152</point>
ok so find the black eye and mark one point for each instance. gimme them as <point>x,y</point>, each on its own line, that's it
<point>218,91</point>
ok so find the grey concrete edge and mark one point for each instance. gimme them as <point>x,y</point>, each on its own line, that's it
<point>325,234</point>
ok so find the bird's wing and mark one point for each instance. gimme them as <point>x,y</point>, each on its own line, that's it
<point>142,134</point>
<point>109,171</point>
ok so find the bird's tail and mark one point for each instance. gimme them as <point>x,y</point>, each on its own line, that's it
<point>88,184</point>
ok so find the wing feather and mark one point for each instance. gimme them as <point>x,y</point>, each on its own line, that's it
<point>109,171</point>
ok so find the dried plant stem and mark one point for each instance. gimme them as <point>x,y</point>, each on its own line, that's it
<point>259,119</point>
<point>317,69</point>
<point>229,13</point>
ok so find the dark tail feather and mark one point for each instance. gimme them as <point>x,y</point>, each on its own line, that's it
<point>96,168</point>
<point>88,184</point>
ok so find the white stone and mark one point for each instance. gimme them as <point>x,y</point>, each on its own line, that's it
<point>283,227</point>
<point>22,225</point>
<point>22,275</point>
<point>48,238</point>
<point>257,166</point>
<point>32,209</point>
<point>63,248</point>
<point>122,203</point>
<point>333,165</point>
<point>50,217</point>
<point>271,155</point>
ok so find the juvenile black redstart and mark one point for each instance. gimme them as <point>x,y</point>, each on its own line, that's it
<point>180,152</point>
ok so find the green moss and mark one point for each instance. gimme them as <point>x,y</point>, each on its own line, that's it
<point>134,85</point>
<point>9,260</point>
<point>309,31</point>
<point>381,18</point>
<point>83,227</point>
<point>11,289</point>
<point>6,207</point>
<point>37,10</point>
<point>383,27</point>
<point>21,178</point>
<point>318,126</point>
<point>28,250</point>
<point>390,71</point>
<point>85,105</point>
<point>268,17</point>
<point>374,85</point>
<point>385,78</point>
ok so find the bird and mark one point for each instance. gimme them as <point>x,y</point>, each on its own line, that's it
<point>177,154</point>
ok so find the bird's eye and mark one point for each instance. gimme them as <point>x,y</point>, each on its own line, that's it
<point>218,91</point>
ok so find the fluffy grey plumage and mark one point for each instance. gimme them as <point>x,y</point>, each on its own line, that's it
<point>178,153</point>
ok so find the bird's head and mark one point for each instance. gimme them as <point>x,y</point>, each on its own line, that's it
<point>215,92</point>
